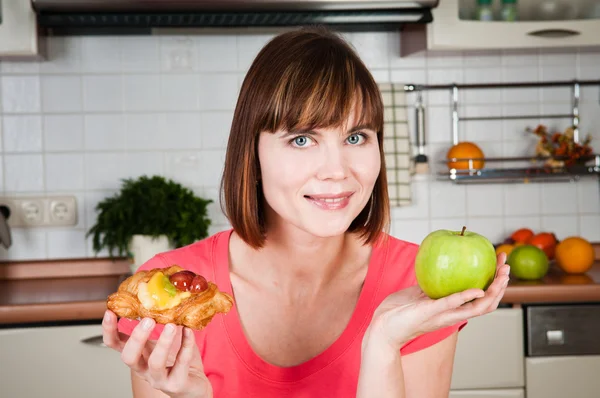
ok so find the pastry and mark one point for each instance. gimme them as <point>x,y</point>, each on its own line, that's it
<point>169,295</point>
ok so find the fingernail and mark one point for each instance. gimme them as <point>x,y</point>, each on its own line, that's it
<point>506,281</point>
<point>147,323</point>
<point>169,329</point>
<point>106,316</point>
<point>508,270</point>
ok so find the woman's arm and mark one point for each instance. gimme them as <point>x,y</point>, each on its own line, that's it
<point>381,374</point>
<point>424,374</point>
<point>428,372</point>
<point>408,314</point>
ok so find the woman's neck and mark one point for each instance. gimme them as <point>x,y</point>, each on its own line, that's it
<point>295,263</point>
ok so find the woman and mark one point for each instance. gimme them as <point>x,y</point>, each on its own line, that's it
<point>326,303</point>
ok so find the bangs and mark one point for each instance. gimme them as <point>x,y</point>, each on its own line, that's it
<point>324,91</point>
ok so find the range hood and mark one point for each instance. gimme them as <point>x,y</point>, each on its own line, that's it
<point>148,16</point>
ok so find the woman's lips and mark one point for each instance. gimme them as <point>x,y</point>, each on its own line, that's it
<point>330,202</point>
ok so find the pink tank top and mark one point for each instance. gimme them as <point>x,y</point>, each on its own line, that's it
<point>235,370</point>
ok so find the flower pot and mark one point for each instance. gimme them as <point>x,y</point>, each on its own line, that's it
<point>144,247</point>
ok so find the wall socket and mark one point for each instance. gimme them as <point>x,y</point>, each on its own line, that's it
<point>41,211</point>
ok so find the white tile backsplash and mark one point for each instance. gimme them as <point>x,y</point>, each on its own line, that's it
<point>23,173</point>
<point>61,94</point>
<point>224,45</point>
<point>63,133</point>
<point>139,54</point>
<point>64,172</point>
<point>22,133</point>
<point>102,93</point>
<point>20,94</point>
<point>141,93</point>
<point>99,109</point>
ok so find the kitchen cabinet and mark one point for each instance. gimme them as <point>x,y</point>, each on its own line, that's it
<point>62,361</point>
<point>541,24</point>
<point>563,376</point>
<point>490,354</point>
<point>19,38</point>
<point>500,393</point>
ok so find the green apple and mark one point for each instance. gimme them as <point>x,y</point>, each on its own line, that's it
<point>528,262</point>
<point>449,262</point>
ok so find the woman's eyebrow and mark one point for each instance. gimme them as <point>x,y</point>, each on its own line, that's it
<point>299,132</point>
<point>315,133</point>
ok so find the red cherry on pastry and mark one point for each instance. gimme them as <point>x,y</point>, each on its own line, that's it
<point>199,284</point>
<point>182,280</point>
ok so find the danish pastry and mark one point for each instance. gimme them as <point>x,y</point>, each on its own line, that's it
<point>169,295</point>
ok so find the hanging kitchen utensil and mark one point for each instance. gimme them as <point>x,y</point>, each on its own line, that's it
<point>5,236</point>
<point>421,166</point>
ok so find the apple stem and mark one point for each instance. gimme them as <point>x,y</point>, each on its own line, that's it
<point>462,233</point>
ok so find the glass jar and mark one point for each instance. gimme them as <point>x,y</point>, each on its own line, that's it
<point>484,10</point>
<point>509,10</point>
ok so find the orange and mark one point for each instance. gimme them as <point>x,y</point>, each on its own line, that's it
<point>545,241</point>
<point>522,235</point>
<point>465,150</point>
<point>504,248</point>
<point>575,255</point>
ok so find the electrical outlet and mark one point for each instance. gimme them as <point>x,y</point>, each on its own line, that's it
<point>41,211</point>
<point>62,210</point>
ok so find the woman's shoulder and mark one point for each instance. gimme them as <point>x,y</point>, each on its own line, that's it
<point>398,258</point>
<point>198,257</point>
<point>398,249</point>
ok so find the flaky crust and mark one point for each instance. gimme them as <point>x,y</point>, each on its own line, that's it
<point>194,312</point>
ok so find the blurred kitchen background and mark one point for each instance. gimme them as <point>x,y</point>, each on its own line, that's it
<point>99,109</point>
<point>95,109</point>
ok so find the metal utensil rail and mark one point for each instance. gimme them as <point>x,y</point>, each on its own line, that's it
<point>506,174</point>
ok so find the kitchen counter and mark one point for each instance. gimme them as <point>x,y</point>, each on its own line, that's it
<point>76,290</point>
<point>58,290</point>
<point>556,287</point>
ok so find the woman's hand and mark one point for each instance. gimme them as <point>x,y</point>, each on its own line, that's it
<point>409,313</point>
<point>172,364</point>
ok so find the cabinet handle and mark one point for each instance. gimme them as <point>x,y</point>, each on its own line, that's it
<point>554,33</point>
<point>96,341</point>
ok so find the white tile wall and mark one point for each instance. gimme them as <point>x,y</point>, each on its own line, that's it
<point>99,109</point>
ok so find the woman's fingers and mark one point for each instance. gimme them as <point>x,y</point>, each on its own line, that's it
<point>492,295</point>
<point>110,333</point>
<point>456,300</point>
<point>157,362</point>
<point>184,357</point>
<point>133,349</point>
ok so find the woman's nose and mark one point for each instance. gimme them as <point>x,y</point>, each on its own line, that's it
<point>332,165</point>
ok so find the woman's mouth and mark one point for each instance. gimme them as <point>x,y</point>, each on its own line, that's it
<point>330,201</point>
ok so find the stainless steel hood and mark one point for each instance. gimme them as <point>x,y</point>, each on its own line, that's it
<point>147,16</point>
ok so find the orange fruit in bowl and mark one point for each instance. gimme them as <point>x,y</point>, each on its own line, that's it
<point>522,235</point>
<point>465,150</point>
<point>575,255</point>
<point>504,248</point>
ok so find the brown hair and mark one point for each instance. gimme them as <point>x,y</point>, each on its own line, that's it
<point>308,78</point>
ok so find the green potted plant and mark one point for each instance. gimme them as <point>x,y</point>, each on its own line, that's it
<point>147,216</point>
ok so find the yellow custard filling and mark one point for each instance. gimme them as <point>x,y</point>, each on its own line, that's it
<point>159,293</point>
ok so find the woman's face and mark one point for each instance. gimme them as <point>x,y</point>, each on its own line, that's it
<point>318,181</point>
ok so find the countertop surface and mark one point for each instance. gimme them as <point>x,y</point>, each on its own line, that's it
<point>76,290</point>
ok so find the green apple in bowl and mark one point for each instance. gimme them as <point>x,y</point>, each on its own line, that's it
<point>449,262</point>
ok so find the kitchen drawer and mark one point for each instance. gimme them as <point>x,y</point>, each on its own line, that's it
<point>490,352</point>
<point>500,393</point>
<point>63,361</point>
<point>563,330</point>
<point>563,377</point>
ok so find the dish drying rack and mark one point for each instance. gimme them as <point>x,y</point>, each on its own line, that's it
<point>537,170</point>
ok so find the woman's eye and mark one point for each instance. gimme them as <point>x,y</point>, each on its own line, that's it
<point>355,139</point>
<point>300,141</point>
